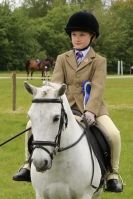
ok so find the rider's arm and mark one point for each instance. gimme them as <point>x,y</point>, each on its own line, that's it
<point>58,73</point>
<point>97,86</point>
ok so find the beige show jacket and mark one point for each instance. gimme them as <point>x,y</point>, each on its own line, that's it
<point>93,69</point>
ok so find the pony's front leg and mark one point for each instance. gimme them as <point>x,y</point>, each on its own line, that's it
<point>38,196</point>
<point>92,194</point>
<point>97,194</point>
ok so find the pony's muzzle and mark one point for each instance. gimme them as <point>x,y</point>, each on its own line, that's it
<point>42,165</point>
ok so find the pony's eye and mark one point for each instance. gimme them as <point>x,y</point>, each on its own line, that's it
<point>56,118</point>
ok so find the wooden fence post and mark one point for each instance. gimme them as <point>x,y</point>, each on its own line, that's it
<point>14,91</point>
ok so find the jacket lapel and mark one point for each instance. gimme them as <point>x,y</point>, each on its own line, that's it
<point>71,59</point>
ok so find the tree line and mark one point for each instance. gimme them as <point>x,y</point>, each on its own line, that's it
<point>36,30</point>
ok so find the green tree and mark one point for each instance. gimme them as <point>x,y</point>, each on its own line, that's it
<point>36,30</point>
<point>115,41</point>
<point>18,39</point>
<point>124,10</point>
<point>5,44</point>
<point>52,34</point>
<point>37,8</point>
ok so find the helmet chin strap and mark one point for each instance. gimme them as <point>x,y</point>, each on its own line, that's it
<point>82,49</point>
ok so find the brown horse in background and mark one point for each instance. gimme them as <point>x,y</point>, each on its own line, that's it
<point>39,65</point>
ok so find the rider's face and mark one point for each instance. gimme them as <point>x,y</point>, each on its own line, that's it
<point>80,39</point>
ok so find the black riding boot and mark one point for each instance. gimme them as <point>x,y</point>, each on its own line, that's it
<point>114,185</point>
<point>22,175</point>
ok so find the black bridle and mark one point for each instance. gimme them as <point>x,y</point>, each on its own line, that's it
<point>63,122</point>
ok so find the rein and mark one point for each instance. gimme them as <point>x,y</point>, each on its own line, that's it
<point>15,136</point>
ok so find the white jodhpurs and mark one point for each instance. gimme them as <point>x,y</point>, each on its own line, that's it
<point>27,135</point>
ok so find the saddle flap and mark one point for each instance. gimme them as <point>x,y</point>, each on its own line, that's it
<point>100,147</point>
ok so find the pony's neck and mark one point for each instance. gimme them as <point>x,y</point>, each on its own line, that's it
<point>73,130</point>
<point>71,118</point>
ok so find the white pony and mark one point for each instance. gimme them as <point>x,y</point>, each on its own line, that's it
<point>63,166</point>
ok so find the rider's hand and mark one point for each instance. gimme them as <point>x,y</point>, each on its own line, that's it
<point>90,117</point>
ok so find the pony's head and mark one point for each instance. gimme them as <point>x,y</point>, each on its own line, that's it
<point>48,117</point>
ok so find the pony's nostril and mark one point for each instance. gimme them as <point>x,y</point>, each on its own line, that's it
<point>46,162</point>
<point>41,165</point>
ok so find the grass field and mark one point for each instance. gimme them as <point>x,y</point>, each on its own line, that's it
<point>118,95</point>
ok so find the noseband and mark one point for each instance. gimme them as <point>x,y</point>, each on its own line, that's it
<point>63,121</point>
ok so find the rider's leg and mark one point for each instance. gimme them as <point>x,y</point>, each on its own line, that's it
<point>112,135</point>
<point>27,154</point>
<point>24,172</point>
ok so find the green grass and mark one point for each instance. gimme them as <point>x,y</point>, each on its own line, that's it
<point>12,154</point>
<point>118,95</point>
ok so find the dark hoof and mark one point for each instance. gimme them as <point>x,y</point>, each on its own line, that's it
<point>114,185</point>
<point>22,175</point>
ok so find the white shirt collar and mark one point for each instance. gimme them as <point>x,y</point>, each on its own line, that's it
<point>84,52</point>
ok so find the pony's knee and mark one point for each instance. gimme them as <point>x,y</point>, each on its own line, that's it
<point>97,194</point>
<point>38,196</point>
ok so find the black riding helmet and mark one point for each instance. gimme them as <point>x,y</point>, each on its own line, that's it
<point>82,21</point>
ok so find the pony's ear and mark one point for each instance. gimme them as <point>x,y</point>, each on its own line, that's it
<point>31,89</point>
<point>61,90</point>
